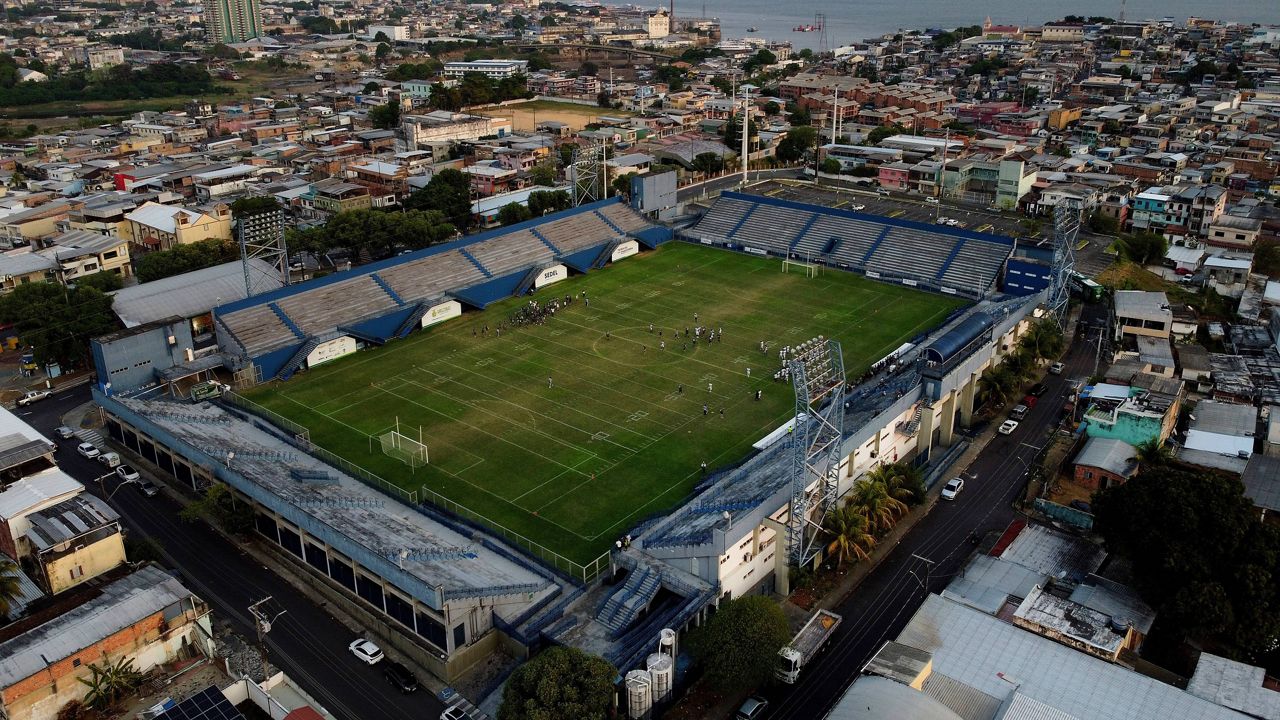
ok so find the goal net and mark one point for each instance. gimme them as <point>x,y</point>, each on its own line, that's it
<point>799,266</point>
<point>404,448</point>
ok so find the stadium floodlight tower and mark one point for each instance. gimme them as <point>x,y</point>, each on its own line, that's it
<point>588,174</point>
<point>260,233</point>
<point>817,375</point>
<point>1066,228</point>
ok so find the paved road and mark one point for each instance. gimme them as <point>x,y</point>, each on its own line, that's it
<point>930,554</point>
<point>730,182</point>
<point>306,642</point>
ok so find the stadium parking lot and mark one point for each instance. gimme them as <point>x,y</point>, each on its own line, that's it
<point>895,206</point>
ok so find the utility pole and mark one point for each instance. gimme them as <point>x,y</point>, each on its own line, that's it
<point>746,150</point>
<point>263,619</point>
<point>942,178</point>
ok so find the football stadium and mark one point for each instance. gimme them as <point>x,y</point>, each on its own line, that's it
<point>583,429</point>
<point>568,427</point>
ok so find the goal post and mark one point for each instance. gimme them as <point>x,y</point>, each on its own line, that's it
<point>404,448</point>
<point>809,269</point>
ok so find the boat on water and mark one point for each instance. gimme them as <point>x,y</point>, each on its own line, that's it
<point>806,28</point>
<point>753,28</point>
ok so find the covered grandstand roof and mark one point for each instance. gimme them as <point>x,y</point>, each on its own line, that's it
<point>191,294</point>
<point>945,259</point>
<point>378,301</point>
<point>421,556</point>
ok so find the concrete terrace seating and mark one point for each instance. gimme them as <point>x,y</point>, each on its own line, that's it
<point>578,232</point>
<point>772,228</point>
<point>326,307</point>
<point>722,217</point>
<point>511,252</point>
<point>431,276</point>
<point>856,238</point>
<point>626,219</point>
<point>975,266</point>
<point>912,254</point>
<point>258,329</point>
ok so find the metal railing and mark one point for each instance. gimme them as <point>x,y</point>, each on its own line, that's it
<point>584,574</point>
<point>576,571</point>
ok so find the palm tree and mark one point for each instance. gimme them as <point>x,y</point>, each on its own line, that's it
<point>9,588</point>
<point>848,536</point>
<point>1153,453</point>
<point>995,384</point>
<point>1043,339</point>
<point>872,500</point>
<point>904,481</point>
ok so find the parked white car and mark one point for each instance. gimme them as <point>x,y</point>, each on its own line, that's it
<point>1007,427</point>
<point>64,432</point>
<point>32,396</point>
<point>88,450</point>
<point>366,651</point>
<point>127,473</point>
<point>952,488</point>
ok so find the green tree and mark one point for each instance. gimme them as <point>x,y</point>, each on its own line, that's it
<point>56,321</point>
<point>708,162</point>
<point>448,192</point>
<point>797,116</point>
<point>1153,453</point>
<point>621,185</point>
<point>109,683</point>
<point>1143,248</point>
<point>543,174</point>
<point>830,166</point>
<point>1043,340</point>
<point>798,142</point>
<point>10,590</point>
<point>560,682</point>
<point>382,51</point>
<point>218,506</point>
<point>902,480</point>
<point>733,133</point>
<point>762,59</point>
<point>588,68</point>
<point>882,132</point>
<point>772,108</point>
<point>542,202</point>
<point>385,116</point>
<point>848,535</point>
<point>104,282</point>
<point>1201,555</point>
<point>513,213</point>
<point>995,385</point>
<point>872,500</point>
<point>1103,224</point>
<point>738,648</point>
<point>184,259</point>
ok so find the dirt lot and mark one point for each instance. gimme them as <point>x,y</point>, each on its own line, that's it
<point>526,116</point>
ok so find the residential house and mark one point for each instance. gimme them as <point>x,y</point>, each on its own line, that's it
<point>1105,462</point>
<point>72,542</point>
<point>146,616</point>
<point>154,226</point>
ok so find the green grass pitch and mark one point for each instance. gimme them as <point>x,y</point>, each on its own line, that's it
<point>614,439</point>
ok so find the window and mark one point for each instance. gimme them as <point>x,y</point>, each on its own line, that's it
<point>110,255</point>
<point>459,636</point>
<point>77,572</point>
<point>369,589</point>
<point>430,629</point>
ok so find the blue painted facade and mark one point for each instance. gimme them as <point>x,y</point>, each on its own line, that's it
<point>282,362</point>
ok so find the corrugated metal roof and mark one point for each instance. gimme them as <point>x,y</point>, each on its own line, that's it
<point>876,698</point>
<point>35,491</point>
<point>68,519</point>
<point>120,605</point>
<point>191,294</point>
<point>997,658</point>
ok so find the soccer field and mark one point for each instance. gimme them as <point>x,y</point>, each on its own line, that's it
<point>569,432</point>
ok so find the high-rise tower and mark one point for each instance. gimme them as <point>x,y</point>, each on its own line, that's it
<point>232,21</point>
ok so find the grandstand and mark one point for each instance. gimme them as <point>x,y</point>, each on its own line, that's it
<point>278,330</point>
<point>948,260</point>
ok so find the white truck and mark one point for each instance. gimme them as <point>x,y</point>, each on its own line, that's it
<point>805,645</point>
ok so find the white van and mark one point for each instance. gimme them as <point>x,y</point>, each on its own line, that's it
<point>1019,412</point>
<point>109,459</point>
